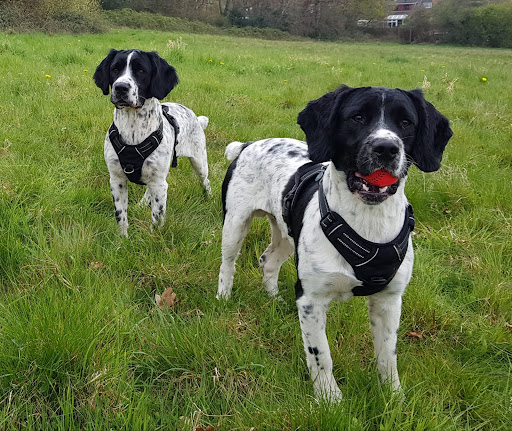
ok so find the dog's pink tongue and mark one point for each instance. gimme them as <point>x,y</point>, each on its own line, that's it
<point>380,178</point>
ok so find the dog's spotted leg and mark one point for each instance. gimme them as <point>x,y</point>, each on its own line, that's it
<point>146,199</point>
<point>234,231</point>
<point>158,199</point>
<point>384,311</point>
<point>119,190</point>
<point>278,251</point>
<point>312,315</point>
<point>200,167</point>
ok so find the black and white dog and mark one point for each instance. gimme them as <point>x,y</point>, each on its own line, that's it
<point>146,135</point>
<point>350,237</point>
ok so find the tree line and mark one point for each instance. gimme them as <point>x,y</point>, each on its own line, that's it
<point>464,22</point>
<point>310,18</point>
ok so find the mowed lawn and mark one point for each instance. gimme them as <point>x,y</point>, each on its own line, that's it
<point>82,344</point>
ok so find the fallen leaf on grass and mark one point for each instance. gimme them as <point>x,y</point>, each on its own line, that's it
<point>97,265</point>
<point>167,300</point>
<point>414,334</point>
<point>508,325</point>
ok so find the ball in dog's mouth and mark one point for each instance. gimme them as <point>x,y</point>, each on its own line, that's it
<point>374,188</point>
<point>380,177</point>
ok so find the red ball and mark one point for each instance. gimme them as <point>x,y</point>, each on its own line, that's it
<point>380,178</point>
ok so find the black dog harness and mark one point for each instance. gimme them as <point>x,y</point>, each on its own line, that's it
<point>132,157</point>
<point>374,264</point>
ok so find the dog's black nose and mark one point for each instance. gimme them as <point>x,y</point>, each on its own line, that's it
<point>122,87</point>
<point>385,149</point>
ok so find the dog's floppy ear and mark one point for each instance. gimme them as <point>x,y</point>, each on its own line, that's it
<point>432,135</point>
<point>316,120</point>
<point>102,75</point>
<point>164,77</point>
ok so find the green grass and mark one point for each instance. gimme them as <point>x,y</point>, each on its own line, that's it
<point>83,347</point>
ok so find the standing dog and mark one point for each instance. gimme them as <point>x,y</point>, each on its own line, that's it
<point>146,135</point>
<point>350,237</point>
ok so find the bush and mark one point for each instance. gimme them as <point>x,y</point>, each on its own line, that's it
<point>144,20</point>
<point>493,25</point>
<point>74,16</point>
<point>68,22</point>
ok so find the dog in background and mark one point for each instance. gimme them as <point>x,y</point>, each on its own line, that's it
<point>147,135</point>
<point>350,236</point>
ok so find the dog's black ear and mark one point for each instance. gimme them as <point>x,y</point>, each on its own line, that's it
<point>432,135</point>
<point>317,121</point>
<point>164,77</point>
<point>102,75</point>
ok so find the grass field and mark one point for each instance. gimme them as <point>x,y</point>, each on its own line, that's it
<point>82,344</point>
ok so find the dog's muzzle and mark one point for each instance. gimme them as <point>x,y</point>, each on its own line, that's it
<point>378,153</point>
<point>122,96</point>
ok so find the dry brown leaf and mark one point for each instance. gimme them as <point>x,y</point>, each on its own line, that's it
<point>414,334</point>
<point>167,300</point>
<point>97,265</point>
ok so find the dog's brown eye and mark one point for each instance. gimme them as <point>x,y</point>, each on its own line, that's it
<point>404,124</point>
<point>115,71</point>
<point>358,118</point>
<point>141,72</point>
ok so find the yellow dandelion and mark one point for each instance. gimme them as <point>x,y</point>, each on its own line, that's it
<point>484,79</point>
<point>444,67</point>
<point>86,70</point>
<point>221,62</point>
<point>210,60</point>
<point>47,76</point>
<point>69,43</point>
<point>285,80</point>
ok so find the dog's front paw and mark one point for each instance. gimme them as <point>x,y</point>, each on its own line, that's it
<point>331,395</point>
<point>223,294</point>
<point>327,390</point>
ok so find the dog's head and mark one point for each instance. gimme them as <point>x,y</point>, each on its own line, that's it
<point>134,76</point>
<point>370,128</point>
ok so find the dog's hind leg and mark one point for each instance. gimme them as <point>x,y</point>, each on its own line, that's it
<point>200,167</point>
<point>278,251</point>
<point>234,231</point>
<point>384,311</point>
<point>146,199</point>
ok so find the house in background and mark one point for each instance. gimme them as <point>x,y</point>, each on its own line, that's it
<point>402,9</point>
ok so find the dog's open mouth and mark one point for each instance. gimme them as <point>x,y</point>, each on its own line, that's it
<point>369,193</point>
<point>122,105</point>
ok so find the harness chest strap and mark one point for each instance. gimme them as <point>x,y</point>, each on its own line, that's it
<point>132,157</point>
<point>374,264</point>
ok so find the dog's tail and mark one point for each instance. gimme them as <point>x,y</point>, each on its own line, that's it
<point>234,149</point>
<point>203,121</point>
